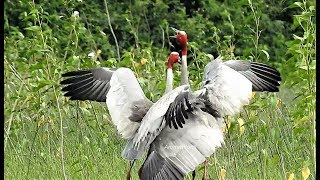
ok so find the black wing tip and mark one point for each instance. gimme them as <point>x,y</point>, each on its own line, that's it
<point>176,112</point>
<point>75,73</point>
<point>71,74</point>
<point>75,94</point>
<point>268,67</point>
<point>64,82</point>
<point>65,89</point>
<point>271,75</point>
<point>79,84</point>
<point>73,97</point>
<point>269,89</point>
<point>83,97</point>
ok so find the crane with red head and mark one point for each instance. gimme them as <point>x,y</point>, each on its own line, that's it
<point>191,129</point>
<point>119,88</point>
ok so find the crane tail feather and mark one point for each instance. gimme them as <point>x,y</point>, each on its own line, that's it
<point>158,168</point>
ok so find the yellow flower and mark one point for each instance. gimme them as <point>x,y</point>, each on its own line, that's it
<point>222,175</point>
<point>291,176</point>
<point>279,102</point>
<point>143,61</point>
<point>241,127</point>
<point>305,172</point>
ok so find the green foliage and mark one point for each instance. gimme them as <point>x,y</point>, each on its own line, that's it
<point>48,136</point>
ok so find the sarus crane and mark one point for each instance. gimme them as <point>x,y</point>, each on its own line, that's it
<point>191,126</point>
<point>119,88</point>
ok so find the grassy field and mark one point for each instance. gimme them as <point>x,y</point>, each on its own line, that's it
<point>49,137</point>
<point>268,148</point>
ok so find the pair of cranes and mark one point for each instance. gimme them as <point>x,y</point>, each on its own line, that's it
<point>183,127</point>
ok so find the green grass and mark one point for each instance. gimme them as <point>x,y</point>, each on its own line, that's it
<point>49,137</point>
<point>270,147</point>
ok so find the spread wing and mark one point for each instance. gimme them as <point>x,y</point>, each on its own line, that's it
<point>194,119</point>
<point>226,89</point>
<point>119,88</point>
<point>262,76</point>
<point>91,84</point>
<point>194,123</point>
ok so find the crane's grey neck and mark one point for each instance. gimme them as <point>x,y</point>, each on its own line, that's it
<point>184,70</point>
<point>169,82</point>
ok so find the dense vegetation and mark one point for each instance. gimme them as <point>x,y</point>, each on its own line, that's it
<point>49,137</point>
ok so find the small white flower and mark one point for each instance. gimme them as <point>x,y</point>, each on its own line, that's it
<point>76,13</point>
<point>92,54</point>
<point>76,57</point>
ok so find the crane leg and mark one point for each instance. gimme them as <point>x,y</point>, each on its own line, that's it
<point>194,175</point>
<point>129,171</point>
<point>204,177</point>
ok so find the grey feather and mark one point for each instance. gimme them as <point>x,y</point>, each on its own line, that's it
<point>179,151</point>
<point>87,84</point>
<point>262,76</point>
<point>131,152</point>
<point>158,168</point>
<point>139,110</point>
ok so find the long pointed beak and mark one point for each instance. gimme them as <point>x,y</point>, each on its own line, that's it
<point>173,37</point>
<point>175,30</point>
<point>179,60</point>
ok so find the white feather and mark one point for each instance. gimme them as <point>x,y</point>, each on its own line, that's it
<point>189,146</point>
<point>228,90</point>
<point>124,93</point>
<point>153,121</point>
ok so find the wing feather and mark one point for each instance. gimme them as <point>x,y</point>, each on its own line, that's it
<point>119,88</point>
<point>81,84</point>
<point>186,147</point>
<point>151,125</point>
<point>193,128</point>
<point>226,89</point>
<point>76,73</point>
<point>124,95</point>
<point>262,76</point>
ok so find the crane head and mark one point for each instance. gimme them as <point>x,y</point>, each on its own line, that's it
<point>181,37</point>
<point>173,58</point>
